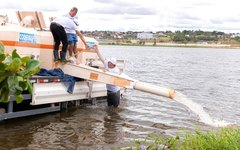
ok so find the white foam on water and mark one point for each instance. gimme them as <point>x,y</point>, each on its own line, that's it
<point>198,110</point>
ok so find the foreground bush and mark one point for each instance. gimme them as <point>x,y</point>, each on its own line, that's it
<point>223,139</point>
<point>14,75</point>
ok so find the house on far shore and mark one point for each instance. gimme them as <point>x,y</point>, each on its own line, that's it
<point>234,35</point>
<point>145,35</point>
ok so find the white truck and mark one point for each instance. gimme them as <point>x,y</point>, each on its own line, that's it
<point>32,38</point>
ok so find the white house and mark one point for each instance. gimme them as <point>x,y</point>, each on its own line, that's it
<point>145,35</point>
<point>234,35</point>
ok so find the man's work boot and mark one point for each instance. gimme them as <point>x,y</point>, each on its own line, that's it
<point>55,55</point>
<point>63,59</point>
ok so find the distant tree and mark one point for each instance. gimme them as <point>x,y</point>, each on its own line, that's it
<point>237,39</point>
<point>199,32</point>
<point>180,38</point>
<point>187,32</point>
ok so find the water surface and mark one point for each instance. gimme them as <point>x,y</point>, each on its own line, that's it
<point>209,77</point>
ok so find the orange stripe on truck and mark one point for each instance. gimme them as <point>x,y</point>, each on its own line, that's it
<point>36,45</point>
<point>25,44</point>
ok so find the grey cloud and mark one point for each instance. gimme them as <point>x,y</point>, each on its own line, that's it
<point>121,7</point>
<point>9,5</point>
<point>217,21</point>
<point>232,29</point>
<point>197,5</point>
<point>131,17</point>
<point>104,1</point>
<point>186,26</point>
<point>202,27</point>
<point>25,5</point>
<point>184,15</point>
<point>140,11</point>
<point>225,28</point>
<point>186,21</point>
<point>116,2</point>
<point>122,10</point>
<point>105,19</point>
<point>101,18</point>
<point>225,19</point>
<point>181,19</point>
<point>202,4</point>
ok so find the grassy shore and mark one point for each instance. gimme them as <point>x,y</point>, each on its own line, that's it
<point>222,139</point>
<point>177,45</point>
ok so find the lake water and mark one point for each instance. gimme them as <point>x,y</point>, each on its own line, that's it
<point>210,78</point>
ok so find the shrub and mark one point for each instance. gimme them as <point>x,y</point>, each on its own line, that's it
<point>14,74</point>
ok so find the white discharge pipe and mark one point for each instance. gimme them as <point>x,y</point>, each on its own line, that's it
<point>145,87</point>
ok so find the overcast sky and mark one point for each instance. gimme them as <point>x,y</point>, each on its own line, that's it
<point>141,15</point>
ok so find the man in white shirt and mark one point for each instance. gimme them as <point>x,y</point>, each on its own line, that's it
<point>113,92</point>
<point>57,28</point>
<point>60,27</point>
<point>72,34</point>
<point>72,13</point>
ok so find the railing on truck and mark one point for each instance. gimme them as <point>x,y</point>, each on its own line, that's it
<point>51,96</point>
<point>13,110</point>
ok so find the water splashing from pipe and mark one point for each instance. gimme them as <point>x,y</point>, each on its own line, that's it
<point>198,110</point>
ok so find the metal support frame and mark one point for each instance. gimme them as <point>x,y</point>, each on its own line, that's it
<point>12,99</point>
<point>11,114</point>
<point>10,107</point>
<point>90,86</point>
<point>28,112</point>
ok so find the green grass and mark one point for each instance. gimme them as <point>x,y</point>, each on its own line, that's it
<point>222,139</point>
<point>178,46</point>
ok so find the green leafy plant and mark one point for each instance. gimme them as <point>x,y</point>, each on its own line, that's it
<point>14,74</point>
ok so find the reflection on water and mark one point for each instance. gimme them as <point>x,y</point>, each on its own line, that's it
<point>88,127</point>
<point>209,77</point>
<point>112,121</point>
